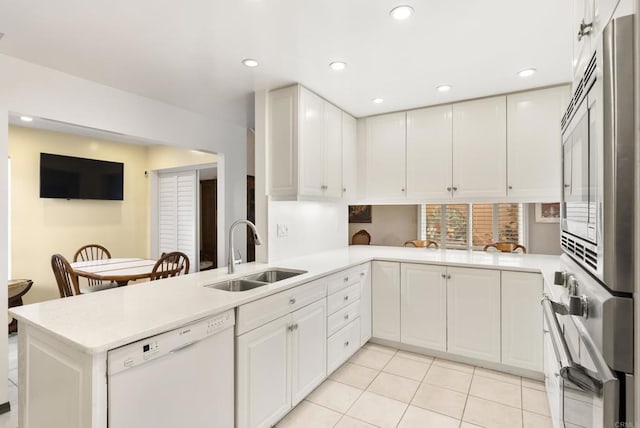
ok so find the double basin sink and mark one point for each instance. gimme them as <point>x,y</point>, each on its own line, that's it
<point>256,280</point>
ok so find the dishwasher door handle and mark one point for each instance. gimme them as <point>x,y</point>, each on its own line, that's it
<point>183,347</point>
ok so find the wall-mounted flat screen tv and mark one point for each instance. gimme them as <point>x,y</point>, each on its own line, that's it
<point>67,177</point>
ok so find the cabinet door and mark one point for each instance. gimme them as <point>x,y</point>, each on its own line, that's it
<point>311,153</point>
<point>349,157</point>
<point>480,149</point>
<point>332,142</point>
<point>424,306</point>
<point>429,139</point>
<point>385,293</point>
<point>308,349</point>
<point>263,394</point>
<point>534,143</point>
<point>364,273</point>
<point>385,156</point>
<point>473,313</point>
<point>283,129</point>
<point>522,320</point>
<point>582,13</point>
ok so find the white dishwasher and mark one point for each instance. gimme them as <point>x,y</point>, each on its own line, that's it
<point>181,378</point>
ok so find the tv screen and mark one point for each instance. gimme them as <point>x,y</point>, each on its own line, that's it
<point>68,177</point>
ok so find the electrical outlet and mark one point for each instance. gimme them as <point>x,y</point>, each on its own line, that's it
<point>283,230</point>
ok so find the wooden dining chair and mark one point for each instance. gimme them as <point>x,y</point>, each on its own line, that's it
<point>66,279</point>
<point>91,252</point>
<point>170,265</point>
<point>506,247</point>
<point>361,237</point>
<point>94,252</point>
<point>421,243</point>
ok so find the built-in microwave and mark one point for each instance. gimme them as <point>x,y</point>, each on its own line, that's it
<point>598,162</point>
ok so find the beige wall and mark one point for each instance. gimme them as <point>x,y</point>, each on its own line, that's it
<point>544,238</point>
<point>390,224</point>
<point>42,227</point>
<point>164,157</point>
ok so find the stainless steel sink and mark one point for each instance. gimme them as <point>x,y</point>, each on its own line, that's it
<point>256,280</point>
<point>275,275</point>
<point>237,285</point>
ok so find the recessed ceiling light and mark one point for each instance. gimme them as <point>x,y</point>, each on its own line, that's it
<point>250,62</point>
<point>338,65</point>
<point>377,100</point>
<point>26,119</point>
<point>527,72</point>
<point>443,88</point>
<point>401,12</point>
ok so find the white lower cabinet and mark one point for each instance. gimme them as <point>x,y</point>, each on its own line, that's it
<point>522,320</point>
<point>423,307</point>
<point>473,313</point>
<point>343,345</point>
<point>364,272</point>
<point>278,364</point>
<point>385,295</point>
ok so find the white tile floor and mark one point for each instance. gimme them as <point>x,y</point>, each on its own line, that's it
<point>10,419</point>
<point>385,388</point>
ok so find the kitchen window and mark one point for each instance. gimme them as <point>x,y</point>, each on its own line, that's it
<point>471,226</point>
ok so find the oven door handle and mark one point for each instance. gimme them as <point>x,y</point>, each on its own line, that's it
<point>569,370</point>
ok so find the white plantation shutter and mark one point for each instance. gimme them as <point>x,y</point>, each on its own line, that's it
<point>484,223</point>
<point>177,213</point>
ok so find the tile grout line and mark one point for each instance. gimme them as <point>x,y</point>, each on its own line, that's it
<point>414,394</point>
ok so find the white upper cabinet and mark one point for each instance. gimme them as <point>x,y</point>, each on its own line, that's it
<point>349,157</point>
<point>310,147</point>
<point>534,148</point>
<point>429,151</point>
<point>480,149</point>
<point>581,35</point>
<point>304,150</point>
<point>385,157</point>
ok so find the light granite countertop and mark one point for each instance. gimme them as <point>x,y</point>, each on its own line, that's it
<point>97,322</point>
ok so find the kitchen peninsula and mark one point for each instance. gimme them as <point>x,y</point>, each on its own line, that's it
<point>86,327</point>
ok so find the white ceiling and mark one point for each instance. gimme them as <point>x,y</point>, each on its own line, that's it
<point>188,53</point>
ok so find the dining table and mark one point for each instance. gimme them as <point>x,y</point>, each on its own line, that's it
<point>119,270</point>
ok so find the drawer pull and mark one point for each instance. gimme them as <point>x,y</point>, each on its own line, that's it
<point>346,279</point>
<point>444,276</point>
<point>361,273</point>
<point>346,316</point>
<point>292,327</point>
<point>346,298</point>
<point>346,343</point>
<point>292,301</point>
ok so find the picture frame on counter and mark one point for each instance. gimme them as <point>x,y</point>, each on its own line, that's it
<point>548,212</point>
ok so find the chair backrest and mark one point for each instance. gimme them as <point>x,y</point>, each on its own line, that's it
<point>421,243</point>
<point>91,252</point>
<point>506,247</point>
<point>169,265</point>
<point>66,279</point>
<point>361,237</point>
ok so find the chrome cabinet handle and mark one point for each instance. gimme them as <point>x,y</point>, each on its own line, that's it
<point>361,273</point>
<point>292,327</point>
<point>402,190</point>
<point>344,190</point>
<point>292,301</point>
<point>455,189</point>
<point>346,279</point>
<point>448,276</point>
<point>585,29</point>
<point>346,343</point>
<point>346,298</point>
<point>449,189</point>
<point>444,276</point>
<point>346,316</point>
<point>510,187</point>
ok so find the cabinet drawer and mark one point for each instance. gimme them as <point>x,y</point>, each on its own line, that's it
<point>343,298</point>
<point>343,317</point>
<point>262,311</point>
<point>343,345</point>
<point>342,280</point>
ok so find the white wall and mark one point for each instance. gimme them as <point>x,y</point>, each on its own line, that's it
<point>42,92</point>
<point>313,227</point>
<point>544,238</point>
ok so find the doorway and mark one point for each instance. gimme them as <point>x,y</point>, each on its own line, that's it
<point>208,223</point>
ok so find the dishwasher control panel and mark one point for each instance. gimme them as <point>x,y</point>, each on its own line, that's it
<point>166,344</point>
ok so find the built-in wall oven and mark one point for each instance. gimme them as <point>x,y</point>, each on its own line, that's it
<point>588,321</point>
